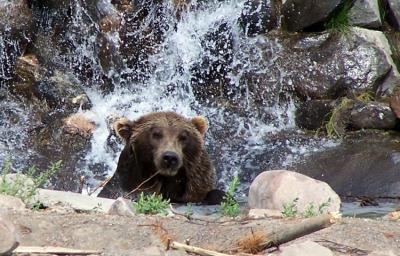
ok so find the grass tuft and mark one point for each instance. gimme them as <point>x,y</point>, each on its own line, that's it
<point>25,187</point>
<point>151,204</point>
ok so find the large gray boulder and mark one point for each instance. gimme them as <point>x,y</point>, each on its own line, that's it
<point>300,14</point>
<point>365,13</point>
<point>274,189</point>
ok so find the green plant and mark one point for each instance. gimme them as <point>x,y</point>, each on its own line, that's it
<point>290,209</point>
<point>189,210</point>
<point>311,210</point>
<point>229,205</point>
<point>25,187</point>
<point>151,204</point>
<point>324,205</point>
<point>339,19</point>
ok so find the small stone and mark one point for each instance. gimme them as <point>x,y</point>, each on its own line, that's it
<point>307,248</point>
<point>122,207</point>
<point>264,213</point>
<point>10,202</point>
<point>393,216</point>
<point>9,239</point>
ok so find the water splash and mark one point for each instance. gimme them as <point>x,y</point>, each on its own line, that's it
<point>202,65</point>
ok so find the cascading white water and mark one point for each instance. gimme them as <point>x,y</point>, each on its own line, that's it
<point>240,142</point>
<point>169,88</point>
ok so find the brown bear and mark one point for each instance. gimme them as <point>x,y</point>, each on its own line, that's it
<point>170,145</point>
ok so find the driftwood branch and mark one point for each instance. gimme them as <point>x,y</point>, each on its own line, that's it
<point>53,250</point>
<point>294,231</point>
<point>261,241</point>
<point>140,185</point>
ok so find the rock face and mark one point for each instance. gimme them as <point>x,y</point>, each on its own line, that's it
<point>273,189</point>
<point>358,166</point>
<point>259,16</point>
<point>300,14</point>
<point>394,13</point>
<point>16,29</point>
<point>312,114</point>
<point>365,13</point>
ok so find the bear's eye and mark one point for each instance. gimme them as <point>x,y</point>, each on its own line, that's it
<point>157,134</point>
<point>183,137</point>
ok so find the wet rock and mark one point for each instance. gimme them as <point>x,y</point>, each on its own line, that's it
<point>76,201</point>
<point>307,248</point>
<point>346,65</point>
<point>300,14</point>
<point>264,213</point>
<point>313,114</point>
<point>259,16</point>
<point>59,91</point>
<point>152,20</point>
<point>210,78</point>
<point>9,239</point>
<point>16,18</point>
<point>358,166</point>
<point>394,13</point>
<point>365,13</point>
<point>10,202</point>
<point>356,115</point>
<point>122,207</point>
<point>16,32</point>
<point>273,189</point>
<point>372,115</point>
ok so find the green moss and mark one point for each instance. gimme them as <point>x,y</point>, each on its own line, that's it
<point>332,127</point>
<point>366,97</point>
<point>339,19</point>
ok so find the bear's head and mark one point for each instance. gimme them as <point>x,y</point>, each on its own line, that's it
<point>164,141</point>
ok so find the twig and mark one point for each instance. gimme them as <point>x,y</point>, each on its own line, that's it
<point>141,184</point>
<point>100,185</point>
<point>197,250</point>
<point>191,218</point>
<point>53,250</point>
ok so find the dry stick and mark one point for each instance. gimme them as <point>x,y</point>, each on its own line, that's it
<point>53,250</point>
<point>197,250</point>
<point>141,184</point>
<point>100,185</point>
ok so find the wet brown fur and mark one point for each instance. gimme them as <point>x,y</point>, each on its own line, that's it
<point>139,160</point>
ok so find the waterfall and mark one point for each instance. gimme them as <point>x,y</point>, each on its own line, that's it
<point>197,63</point>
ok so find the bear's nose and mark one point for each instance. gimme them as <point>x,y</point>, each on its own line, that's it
<point>170,159</point>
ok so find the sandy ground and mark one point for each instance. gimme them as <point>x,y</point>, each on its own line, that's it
<point>116,235</point>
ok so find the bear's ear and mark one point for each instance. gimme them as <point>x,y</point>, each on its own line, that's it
<point>123,127</point>
<point>200,123</point>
